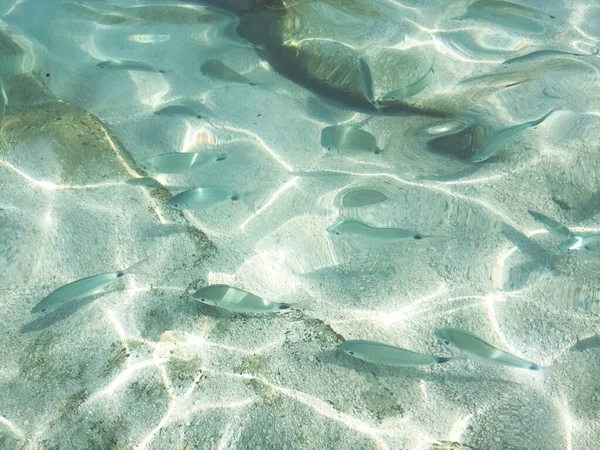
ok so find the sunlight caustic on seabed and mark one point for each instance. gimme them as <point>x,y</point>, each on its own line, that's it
<point>279,248</point>
<point>12,427</point>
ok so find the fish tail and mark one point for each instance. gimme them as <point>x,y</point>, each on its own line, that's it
<point>134,269</point>
<point>552,368</point>
<point>255,200</point>
<point>304,304</point>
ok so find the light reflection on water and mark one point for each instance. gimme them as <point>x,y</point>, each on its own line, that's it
<point>148,366</point>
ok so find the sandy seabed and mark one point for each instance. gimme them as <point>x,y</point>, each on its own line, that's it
<point>144,365</point>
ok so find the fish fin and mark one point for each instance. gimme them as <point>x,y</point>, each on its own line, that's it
<point>134,269</point>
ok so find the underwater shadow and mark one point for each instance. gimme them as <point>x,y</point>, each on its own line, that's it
<point>589,209</point>
<point>341,359</point>
<point>528,246</point>
<point>457,176</point>
<point>166,230</point>
<point>589,343</point>
<point>53,317</point>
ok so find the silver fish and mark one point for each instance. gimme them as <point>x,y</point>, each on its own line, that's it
<point>410,90</point>
<point>177,162</point>
<point>82,288</point>
<point>378,353</point>
<point>354,228</point>
<point>348,140</point>
<point>126,64</point>
<point>215,68</point>
<point>579,243</point>
<point>367,82</point>
<point>202,198</point>
<point>498,139</point>
<point>539,54</point>
<point>177,111</point>
<point>555,228</point>
<point>362,197</point>
<point>475,348</point>
<point>237,300</point>
<point>506,14</point>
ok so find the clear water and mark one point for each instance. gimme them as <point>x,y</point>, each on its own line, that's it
<point>144,365</point>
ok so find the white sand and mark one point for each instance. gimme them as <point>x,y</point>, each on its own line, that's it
<point>146,366</point>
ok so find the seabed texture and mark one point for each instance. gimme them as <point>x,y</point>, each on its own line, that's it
<point>143,365</point>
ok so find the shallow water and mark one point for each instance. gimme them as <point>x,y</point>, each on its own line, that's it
<point>145,365</point>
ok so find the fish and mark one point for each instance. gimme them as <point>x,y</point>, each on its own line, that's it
<point>367,82</point>
<point>126,64</point>
<point>555,228</point>
<point>410,90</point>
<point>82,288</point>
<point>542,54</point>
<point>178,162</point>
<point>473,347</point>
<point>354,228</point>
<point>362,197</point>
<point>239,301</point>
<point>498,139</point>
<point>348,140</point>
<point>202,198</point>
<point>178,111</point>
<point>378,353</point>
<point>579,243</point>
<point>215,68</point>
<point>506,14</point>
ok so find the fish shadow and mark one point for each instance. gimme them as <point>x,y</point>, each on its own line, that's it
<point>538,257</point>
<point>589,209</point>
<point>457,176</point>
<point>166,230</point>
<point>341,359</point>
<point>51,318</point>
<point>589,343</point>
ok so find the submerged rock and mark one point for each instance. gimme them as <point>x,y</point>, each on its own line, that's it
<point>300,42</point>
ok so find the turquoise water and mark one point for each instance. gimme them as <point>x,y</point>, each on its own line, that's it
<point>382,169</point>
